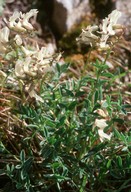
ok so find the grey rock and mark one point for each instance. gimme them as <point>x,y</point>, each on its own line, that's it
<point>125,8</point>
<point>66,13</point>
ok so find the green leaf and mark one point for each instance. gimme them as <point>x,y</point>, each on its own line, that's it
<point>67,92</point>
<point>72,105</point>
<point>62,68</point>
<point>117,134</point>
<point>79,93</point>
<point>22,155</point>
<point>8,168</point>
<point>108,164</point>
<point>110,75</point>
<point>120,136</point>
<point>27,164</point>
<point>62,120</point>
<point>119,159</point>
<point>96,96</point>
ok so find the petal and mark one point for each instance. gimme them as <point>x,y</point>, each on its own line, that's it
<point>33,94</point>
<point>19,69</point>
<point>27,25</point>
<point>4,34</point>
<point>100,123</point>
<point>18,40</point>
<point>103,135</point>
<point>114,16</point>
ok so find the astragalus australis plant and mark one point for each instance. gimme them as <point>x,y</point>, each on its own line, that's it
<point>68,137</point>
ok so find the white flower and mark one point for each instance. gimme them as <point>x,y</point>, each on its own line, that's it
<point>103,46</point>
<point>26,17</point>
<point>100,123</point>
<point>104,26</point>
<point>29,69</point>
<point>13,18</point>
<point>4,38</point>
<point>103,135</point>
<point>102,112</point>
<point>33,94</point>
<point>43,54</point>
<point>15,22</point>
<point>109,23</point>
<point>20,22</point>
<point>114,16</point>
<point>87,36</point>
<point>36,63</point>
<point>4,35</point>
<point>18,40</point>
<point>18,27</point>
<point>28,52</point>
<point>43,57</point>
<point>19,71</point>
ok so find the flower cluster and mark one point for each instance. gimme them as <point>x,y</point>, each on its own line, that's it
<point>36,63</point>
<point>98,36</point>
<point>30,63</point>
<point>20,22</point>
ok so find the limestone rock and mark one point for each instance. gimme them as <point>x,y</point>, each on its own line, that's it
<point>66,13</point>
<point>125,8</point>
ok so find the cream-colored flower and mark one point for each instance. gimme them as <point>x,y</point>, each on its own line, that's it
<point>4,38</point>
<point>19,70</point>
<point>28,52</point>
<point>20,22</point>
<point>18,40</point>
<point>13,18</point>
<point>33,94</point>
<point>103,46</point>
<point>29,67</point>
<point>43,54</point>
<point>109,23</point>
<point>87,36</point>
<point>100,123</point>
<point>19,28</point>
<point>114,16</point>
<point>103,135</point>
<point>102,112</point>
<point>26,17</point>
<point>104,26</point>
<point>4,35</point>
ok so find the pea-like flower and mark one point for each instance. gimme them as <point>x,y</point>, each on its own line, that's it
<point>20,22</point>
<point>36,63</point>
<point>87,36</point>
<point>4,38</point>
<point>18,40</point>
<point>19,70</point>
<point>101,124</point>
<point>26,17</point>
<point>108,24</point>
